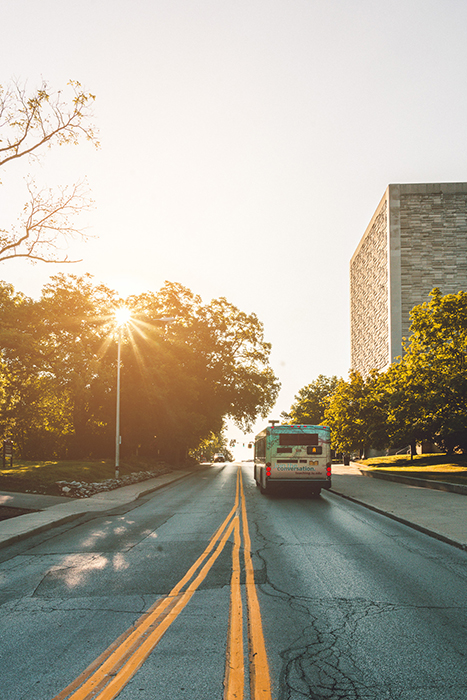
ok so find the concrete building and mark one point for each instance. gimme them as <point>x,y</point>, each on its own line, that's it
<point>416,240</point>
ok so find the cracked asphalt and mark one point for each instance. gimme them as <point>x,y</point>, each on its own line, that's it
<point>354,605</point>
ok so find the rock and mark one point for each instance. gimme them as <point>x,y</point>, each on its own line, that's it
<point>81,489</point>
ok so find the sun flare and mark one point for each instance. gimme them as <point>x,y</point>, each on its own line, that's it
<point>122,315</point>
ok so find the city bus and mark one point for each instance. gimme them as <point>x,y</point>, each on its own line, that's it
<point>293,455</point>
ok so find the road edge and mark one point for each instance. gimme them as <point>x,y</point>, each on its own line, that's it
<point>62,520</point>
<point>415,481</point>
<point>403,521</point>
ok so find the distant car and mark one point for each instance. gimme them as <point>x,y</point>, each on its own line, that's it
<point>218,457</point>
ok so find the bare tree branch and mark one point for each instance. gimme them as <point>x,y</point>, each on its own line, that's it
<point>46,225</point>
<point>27,125</point>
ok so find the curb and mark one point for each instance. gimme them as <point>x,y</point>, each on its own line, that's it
<point>160,486</point>
<point>403,521</point>
<point>40,528</point>
<point>74,516</point>
<point>416,481</point>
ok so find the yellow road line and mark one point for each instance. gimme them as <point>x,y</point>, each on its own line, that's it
<point>106,677</point>
<point>149,625</point>
<point>138,658</point>
<point>260,681</point>
<point>96,674</point>
<point>235,668</point>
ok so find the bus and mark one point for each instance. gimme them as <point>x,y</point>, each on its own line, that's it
<point>295,455</point>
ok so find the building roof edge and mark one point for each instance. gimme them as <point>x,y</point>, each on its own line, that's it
<point>383,199</point>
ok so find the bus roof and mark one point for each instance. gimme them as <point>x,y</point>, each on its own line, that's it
<point>291,428</point>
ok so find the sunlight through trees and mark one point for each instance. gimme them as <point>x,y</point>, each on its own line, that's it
<point>178,381</point>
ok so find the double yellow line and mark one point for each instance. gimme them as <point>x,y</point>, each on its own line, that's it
<point>112,670</point>
<point>260,682</point>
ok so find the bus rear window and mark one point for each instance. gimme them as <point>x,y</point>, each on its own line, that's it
<point>298,439</point>
<point>260,448</point>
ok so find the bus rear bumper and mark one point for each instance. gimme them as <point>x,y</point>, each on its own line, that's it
<point>316,483</point>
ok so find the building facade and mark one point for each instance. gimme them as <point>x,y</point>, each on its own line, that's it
<point>416,240</point>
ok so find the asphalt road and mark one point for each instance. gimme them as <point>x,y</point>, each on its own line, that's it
<point>334,602</point>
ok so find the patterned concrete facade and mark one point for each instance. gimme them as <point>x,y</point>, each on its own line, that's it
<point>416,240</point>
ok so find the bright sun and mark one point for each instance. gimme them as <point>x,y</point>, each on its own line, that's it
<point>122,315</point>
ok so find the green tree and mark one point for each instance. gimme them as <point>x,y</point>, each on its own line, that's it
<point>353,415</point>
<point>400,394</point>
<point>311,401</point>
<point>32,407</point>
<point>79,354</point>
<point>210,445</point>
<point>210,363</point>
<point>19,330</point>
<point>30,123</point>
<point>426,392</point>
<point>178,382</point>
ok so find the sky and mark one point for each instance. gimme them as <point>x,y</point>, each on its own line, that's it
<point>245,145</point>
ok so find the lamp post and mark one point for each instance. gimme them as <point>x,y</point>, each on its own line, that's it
<point>117,430</point>
<point>122,316</point>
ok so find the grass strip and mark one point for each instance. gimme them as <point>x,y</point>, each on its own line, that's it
<point>42,476</point>
<point>438,467</point>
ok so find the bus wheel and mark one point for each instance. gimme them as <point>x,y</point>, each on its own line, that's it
<point>264,489</point>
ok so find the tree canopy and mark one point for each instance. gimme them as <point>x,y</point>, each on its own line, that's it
<point>351,414</point>
<point>178,380</point>
<point>421,397</point>
<point>311,401</point>
<point>30,123</point>
<point>212,444</point>
<point>425,393</point>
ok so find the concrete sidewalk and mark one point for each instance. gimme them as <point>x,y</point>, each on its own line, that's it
<point>54,510</point>
<point>440,514</point>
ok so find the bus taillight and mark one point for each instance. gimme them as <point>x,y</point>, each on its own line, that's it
<point>268,468</point>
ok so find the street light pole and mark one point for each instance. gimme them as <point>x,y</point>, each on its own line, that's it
<point>123,316</point>
<point>117,430</point>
